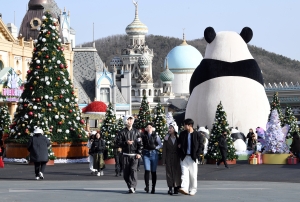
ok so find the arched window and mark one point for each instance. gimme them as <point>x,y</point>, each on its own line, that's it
<point>132,92</point>
<point>155,92</point>
<point>105,94</point>
<point>1,65</point>
<point>149,92</point>
<point>144,92</point>
<point>159,92</point>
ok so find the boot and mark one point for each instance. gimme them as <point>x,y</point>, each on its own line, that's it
<point>153,174</point>
<point>146,178</point>
<point>175,190</point>
<point>170,191</point>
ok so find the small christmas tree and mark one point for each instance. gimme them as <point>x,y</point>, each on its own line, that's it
<point>120,124</point>
<point>144,116</point>
<point>275,139</point>
<point>290,120</point>
<point>108,129</point>
<point>48,99</point>
<point>220,125</point>
<point>161,127</point>
<point>4,119</point>
<point>276,105</point>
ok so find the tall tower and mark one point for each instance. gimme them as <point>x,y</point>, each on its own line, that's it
<point>138,57</point>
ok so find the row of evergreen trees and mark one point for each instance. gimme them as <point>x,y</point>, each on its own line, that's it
<point>111,126</point>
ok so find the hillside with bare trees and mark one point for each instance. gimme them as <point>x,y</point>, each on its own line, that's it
<point>275,68</point>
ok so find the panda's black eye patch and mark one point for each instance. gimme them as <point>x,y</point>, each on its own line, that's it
<point>210,69</point>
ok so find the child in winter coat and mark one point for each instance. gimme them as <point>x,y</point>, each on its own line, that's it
<point>98,147</point>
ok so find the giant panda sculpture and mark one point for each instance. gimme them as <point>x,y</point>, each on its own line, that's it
<point>228,73</point>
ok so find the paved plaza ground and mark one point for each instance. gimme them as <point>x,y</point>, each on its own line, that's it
<point>73,182</point>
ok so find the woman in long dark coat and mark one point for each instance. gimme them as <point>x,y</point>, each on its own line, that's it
<point>171,159</point>
<point>38,148</point>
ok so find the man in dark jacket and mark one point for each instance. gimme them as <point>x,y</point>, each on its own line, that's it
<point>190,145</point>
<point>38,148</point>
<point>131,144</point>
<point>223,148</point>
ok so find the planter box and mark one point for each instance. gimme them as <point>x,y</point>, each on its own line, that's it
<point>110,161</point>
<point>214,161</point>
<point>292,161</point>
<point>18,151</point>
<point>70,150</point>
<point>274,158</point>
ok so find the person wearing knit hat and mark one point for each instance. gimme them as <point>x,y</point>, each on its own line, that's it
<point>171,159</point>
<point>38,147</point>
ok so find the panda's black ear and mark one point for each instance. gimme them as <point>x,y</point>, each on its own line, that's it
<point>246,34</point>
<point>209,34</point>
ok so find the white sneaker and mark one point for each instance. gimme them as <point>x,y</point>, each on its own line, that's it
<point>98,174</point>
<point>37,178</point>
<point>131,190</point>
<point>41,175</point>
<point>101,173</point>
<point>192,193</point>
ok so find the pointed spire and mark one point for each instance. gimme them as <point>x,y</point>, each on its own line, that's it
<point>167,63</point>
<point>136,9</point>
<point>183,39</point>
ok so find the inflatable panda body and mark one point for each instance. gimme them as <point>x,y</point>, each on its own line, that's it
<point>228,73</point>
<point>238,140</point>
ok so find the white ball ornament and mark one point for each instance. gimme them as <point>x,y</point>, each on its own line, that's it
<point>67,82</point>
<point>44,17</point>
<point>26,116</point>
<point>34,107</point>
<point>58,61</point>
<point>67,100</point>
<point>46,97</point>
<point>76,99</point>
<point>20,100</point>
<point>47,83</point>
<point>67,131</point>
<point>43,40</point>
<point>77,118</point>
<point>56,116</point>
<point>59,40</point>
<point>38,61</point>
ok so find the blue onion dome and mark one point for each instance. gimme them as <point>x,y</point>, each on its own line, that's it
<point>117,62</point>
<point>184,58</point>
<point>136,27</point>
<point>166,76</point>
<point>144,61</point>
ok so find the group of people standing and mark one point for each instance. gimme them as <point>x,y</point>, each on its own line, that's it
<point>180,156</point>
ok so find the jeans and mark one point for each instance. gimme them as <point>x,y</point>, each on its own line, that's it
<point>150,158</point>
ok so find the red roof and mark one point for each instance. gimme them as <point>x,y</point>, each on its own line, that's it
<point>96,106</point>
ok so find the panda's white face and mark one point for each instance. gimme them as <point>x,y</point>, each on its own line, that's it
<point>228,46</point>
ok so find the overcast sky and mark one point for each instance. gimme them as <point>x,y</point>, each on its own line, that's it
<point>275,24</point>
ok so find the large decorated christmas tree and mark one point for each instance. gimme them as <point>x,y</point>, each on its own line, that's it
<point>144,116</point>
<point>4,119</point>
<point>290,120</point>
<point>108,129</point>
<point>161,127</point>
<point>220,125</point>
<point>275,138</point>
<point>48,99</point>
<point>275,104</point>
